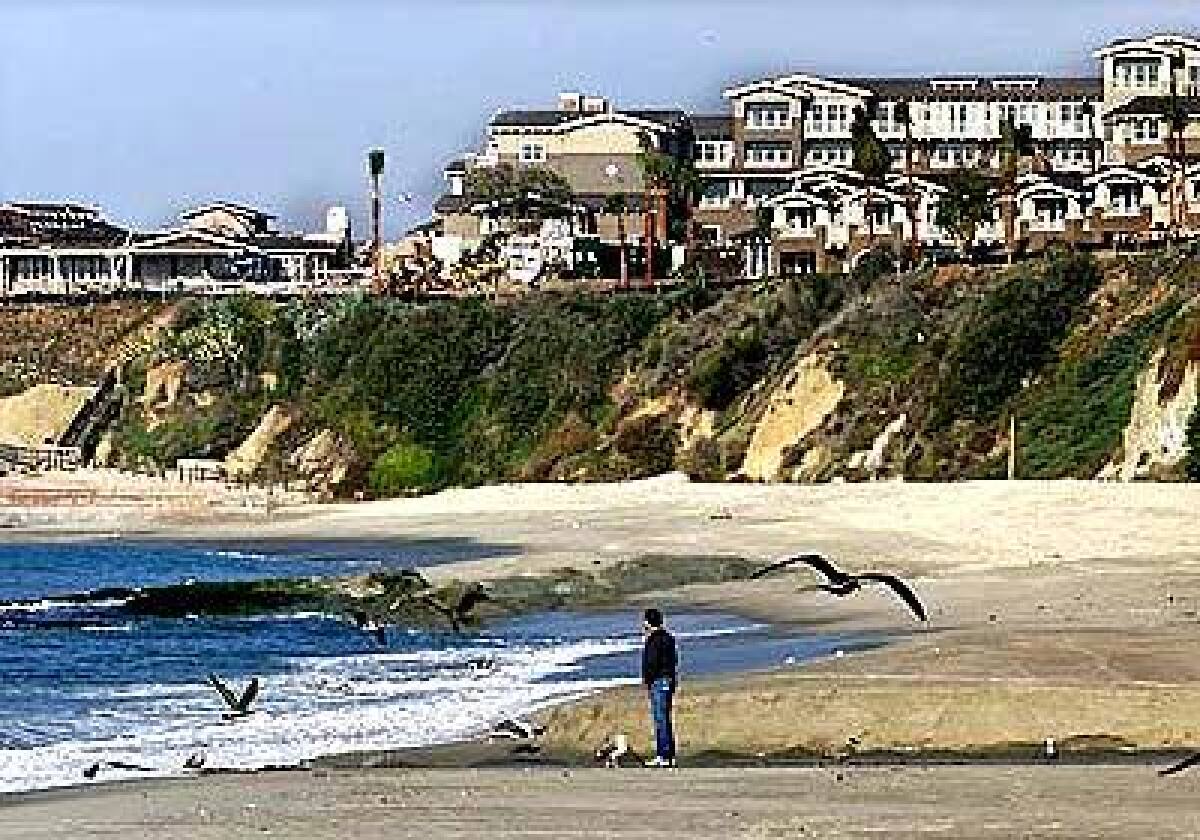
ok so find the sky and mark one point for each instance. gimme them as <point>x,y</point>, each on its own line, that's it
<point>146,107</point>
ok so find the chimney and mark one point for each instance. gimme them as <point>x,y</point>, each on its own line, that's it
<point>595,105</point>
<point>569,102</point>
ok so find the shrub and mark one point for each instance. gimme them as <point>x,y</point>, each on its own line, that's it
<point>1016,332</point>
<point>876,263</point>
<point>404,467</point>
<point>702,461</point>
<point>1072,424</point>
<point>720,374</point>
<point>649,442</point>
<point>1191,465</point>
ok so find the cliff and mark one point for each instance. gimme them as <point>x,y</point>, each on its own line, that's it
<point>873,376</point>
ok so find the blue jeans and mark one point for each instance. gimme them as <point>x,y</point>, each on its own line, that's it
<point>661,695</point>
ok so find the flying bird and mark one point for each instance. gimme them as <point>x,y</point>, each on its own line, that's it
<point>1190,761</point>
<point>459,612</point>
<point>517,729</point>
<point>239,707</point>
<point>842,583</point>
<point>371,627</point>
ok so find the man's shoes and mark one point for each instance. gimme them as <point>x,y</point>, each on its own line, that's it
<point>659,761</point>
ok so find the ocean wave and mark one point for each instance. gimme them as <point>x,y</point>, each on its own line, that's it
<point>346,704</point>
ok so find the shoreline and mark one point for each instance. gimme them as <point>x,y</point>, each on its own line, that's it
<point>1062,610</point>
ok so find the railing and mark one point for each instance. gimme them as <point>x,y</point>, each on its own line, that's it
<point>29,458</point>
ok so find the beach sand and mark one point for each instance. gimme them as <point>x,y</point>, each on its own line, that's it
<point>1067,610</point>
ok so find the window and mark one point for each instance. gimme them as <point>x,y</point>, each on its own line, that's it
<point>768,154</point>
<point>800,218</point>
<point>1124,198</point>
<point>712,152</point>
<point>715,194</point>
<point>769,116</point>
<point>1145,131</point>
<point>1137,74</point>
<point>532,152</point>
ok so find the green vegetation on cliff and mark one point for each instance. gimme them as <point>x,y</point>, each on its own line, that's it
<point>929,367</point>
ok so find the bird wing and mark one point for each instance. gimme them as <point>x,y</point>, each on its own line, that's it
<point>225,691</point>
<point>248,696</point>
<point>1190,761</point>
<point>814,561</point>
<point>900,588</point>
<point>470,600</point>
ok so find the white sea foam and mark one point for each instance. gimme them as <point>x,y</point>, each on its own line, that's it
<point>321,706</point>
<point>51,604</point>
<point>318,707</point>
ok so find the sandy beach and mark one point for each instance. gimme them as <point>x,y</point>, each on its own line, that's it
<point>1058,610</point>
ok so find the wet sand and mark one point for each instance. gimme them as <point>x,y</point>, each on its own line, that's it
<point>1068,610</point>
<point>1000,803</point>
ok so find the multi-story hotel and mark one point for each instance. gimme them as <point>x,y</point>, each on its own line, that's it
<point>1104,165</point>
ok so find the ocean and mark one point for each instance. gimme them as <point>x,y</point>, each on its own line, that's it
<point>81,682</point>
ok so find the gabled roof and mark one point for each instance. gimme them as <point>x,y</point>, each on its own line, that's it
<point>796,197</point>
<point>181,239</point>
<point>1162,43</point>
<point>1045,186</point>
<point>899,182</point>
<point>656,119</point>
<point>1119,173</point>
<point>1154,106</point>
<point>795,84</point>
<point>231,207</point>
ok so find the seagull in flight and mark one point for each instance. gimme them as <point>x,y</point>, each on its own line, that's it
<point>239,707</point>
<point>459,612</point>
<point>842,583</point>
<point>1190,761</point>
<point>371,627</point>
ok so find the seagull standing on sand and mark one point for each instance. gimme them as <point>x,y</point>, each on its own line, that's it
<point>239,707</point>
<point>841,583</point>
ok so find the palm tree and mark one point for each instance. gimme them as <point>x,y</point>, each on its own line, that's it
<point>675,185</point>
<point>871,159</point>
<point>1177,120</point>
<point>1089,111</point>
<point>1016,141</point>
<point>618,205</point>
<point>903,115</point>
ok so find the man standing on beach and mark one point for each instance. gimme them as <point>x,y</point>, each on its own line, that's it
<point>659,664</point>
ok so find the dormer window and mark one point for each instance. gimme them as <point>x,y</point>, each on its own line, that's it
<point>769,115</point>
<point>958,85</point>
<point>1015,84</point>
<point>1137,74</point>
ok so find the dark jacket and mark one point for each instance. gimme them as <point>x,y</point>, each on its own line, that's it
<point>659,658</point>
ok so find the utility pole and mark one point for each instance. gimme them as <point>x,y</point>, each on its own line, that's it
<point>1012,447</point>
<point>375,166</point>
<point>649,219</point>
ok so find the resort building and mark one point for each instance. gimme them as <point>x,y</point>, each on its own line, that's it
<point>1114,159</point>
<point>591,144</point>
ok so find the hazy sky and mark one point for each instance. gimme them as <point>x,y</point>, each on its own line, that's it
<point>146,106</point>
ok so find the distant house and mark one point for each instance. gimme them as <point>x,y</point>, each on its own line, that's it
<point>64,248</point>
